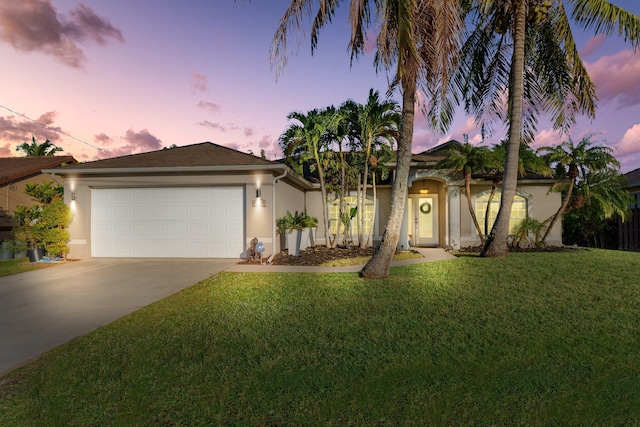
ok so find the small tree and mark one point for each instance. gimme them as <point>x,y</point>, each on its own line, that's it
<point>44,225</point>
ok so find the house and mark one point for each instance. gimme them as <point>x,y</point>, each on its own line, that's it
<point>629,230</point>
<point>206,200</point>
<point>15,173</point>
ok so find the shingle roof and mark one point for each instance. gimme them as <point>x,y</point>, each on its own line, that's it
<point>16,168</point>
<point>203,154</point>
<point>633,177</point>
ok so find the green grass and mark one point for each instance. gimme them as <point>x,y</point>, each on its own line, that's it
<point>15,266</point>
<point>344,262</point>
<point>534,339</point>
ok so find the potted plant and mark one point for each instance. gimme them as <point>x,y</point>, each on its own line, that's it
<point>311,226</point>
<point>6,250</point>
<point>282,226</point>
<point>29,232</point>
<point>294,232</point>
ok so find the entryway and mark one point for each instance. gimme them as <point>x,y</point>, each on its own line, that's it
<point>423,220</point>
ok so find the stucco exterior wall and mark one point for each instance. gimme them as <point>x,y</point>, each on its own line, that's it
<point>541,205</point>
<point>259,220</point>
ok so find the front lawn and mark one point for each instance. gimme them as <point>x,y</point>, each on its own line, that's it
<point>534,339</point>
<point>15,266</point>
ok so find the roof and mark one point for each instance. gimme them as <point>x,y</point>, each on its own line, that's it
<point>17,168</point>
<point>205,154</point>
<point>633,177</point>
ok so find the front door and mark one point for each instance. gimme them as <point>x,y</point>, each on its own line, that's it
<point>425,221</point>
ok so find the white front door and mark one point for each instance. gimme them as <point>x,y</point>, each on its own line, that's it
<point>425,220</point>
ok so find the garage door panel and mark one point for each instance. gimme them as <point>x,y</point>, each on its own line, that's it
<point>199,222</point>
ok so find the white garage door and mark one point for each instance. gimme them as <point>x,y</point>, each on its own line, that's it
<point>194,222</point>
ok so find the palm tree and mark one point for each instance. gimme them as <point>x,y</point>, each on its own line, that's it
<point>468,159</point>
<point>598,197</point>
<point>374,124</point>
<point>305,139</point>
<point>529,162</point>
<point>383,155</point>
<point>532,56</point>
<point>34,149</point>
<point>573,161</point>
<point>418,40</point>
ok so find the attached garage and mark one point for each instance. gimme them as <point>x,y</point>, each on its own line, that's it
<point>192,222</point>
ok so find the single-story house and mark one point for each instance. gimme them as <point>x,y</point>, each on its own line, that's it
<point>15,173</point>
<point>209,201</point>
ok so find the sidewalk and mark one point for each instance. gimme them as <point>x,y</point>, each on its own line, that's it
<point>429,254</point>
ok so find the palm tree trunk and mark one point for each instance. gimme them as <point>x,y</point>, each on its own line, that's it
<point>373,216</point>
<point>323,190</point>
<point>379,264</point>
<point>561,210</point>
<point>494,185</point>
<point>496,243</point>
<point>472,212</point>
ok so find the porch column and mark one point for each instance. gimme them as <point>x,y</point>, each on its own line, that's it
<point>403,241</point>
<point>454,217</point>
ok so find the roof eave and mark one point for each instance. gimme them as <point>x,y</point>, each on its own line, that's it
<point>70,171</point>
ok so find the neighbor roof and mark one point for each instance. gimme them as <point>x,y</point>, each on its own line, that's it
<point>203,154</point>
<point>633,177</point>
<point>17,168</point>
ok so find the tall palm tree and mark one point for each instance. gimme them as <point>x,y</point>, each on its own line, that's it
<point>526,48</point>
<point>468,159</point>
<point>35,149</point>
<point>417,40</point>
<point>573,161</point>
<point>305,139</point>
<point>374,123</point>
<point>529,162</point>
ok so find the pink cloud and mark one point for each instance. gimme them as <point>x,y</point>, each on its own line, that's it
<point>546,138</point>
<point>248,132</point>
<point>592,45</point>
<point>15,129</point>
<point>103,139</point>
<point>617,77</point>
<point>630,142</point>
<point>134,142</point>
<point>35,26</point>
<point>216,126</point>
<point>210,106</point>
<point>199,82</point>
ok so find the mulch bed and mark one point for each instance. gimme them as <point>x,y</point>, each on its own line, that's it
<point>317,255</point>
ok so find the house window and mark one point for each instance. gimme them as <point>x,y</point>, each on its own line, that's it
<point>518,210</point>
<point>350,202</point>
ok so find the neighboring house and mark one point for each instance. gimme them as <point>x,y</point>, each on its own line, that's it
<point>15,173</point>
<point>209,201</point>
<point>629,230</point>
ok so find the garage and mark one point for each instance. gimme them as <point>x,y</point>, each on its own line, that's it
<point>167,222</point>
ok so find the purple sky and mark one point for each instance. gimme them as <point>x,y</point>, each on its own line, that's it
<point>112,78</point>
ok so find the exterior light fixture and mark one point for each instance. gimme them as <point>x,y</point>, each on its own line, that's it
<point>424,191</point>
<point>73,195</point>
<point>259,202</point>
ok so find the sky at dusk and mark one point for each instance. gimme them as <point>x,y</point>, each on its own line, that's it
<point>109,78</point>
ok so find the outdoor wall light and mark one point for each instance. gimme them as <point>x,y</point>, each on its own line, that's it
<point>73,195</point>
<point>424,191</point>
<point>259,202</point>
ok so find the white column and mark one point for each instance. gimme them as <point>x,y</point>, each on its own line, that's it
<point>454,216</point>
<point>403,241</point>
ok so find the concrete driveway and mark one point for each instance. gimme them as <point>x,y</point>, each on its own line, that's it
<point>42,309</point>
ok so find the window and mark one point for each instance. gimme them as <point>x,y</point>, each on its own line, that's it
<point>518,210</point>
<point>350,202</point>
